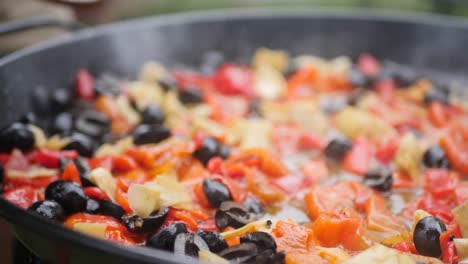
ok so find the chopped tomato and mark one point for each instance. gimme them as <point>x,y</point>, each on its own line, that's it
<point>23,196</point>
<point>405,246</point>
<point>329,199</point>
<point>232,79</point>
<point>314,171</point>
<point>379,217</point>
<point>358,159</point>
<point>51,158</point>
<point>291,183</point>
<point>104,162</point>
<point>37,182</point>
<point>123,163</point>
<point>293,238</point>
<point>71,173</point>
<point>309,141</point>
<point>386,149</point>
<point>301,82</point>
<point>456,149</point>
<point>225,108</point>
<point>269,164</point>
<point>266,192</point>
<point>441,208</point>
<point>144,157</point>
<point>84,85</point>
<point>449,254</point>
<point>303,258</point>
<point>441,183</point>
<point>95,193</point>
<point>368,65</point>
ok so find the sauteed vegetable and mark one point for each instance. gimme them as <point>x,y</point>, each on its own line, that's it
<point>286,160</point>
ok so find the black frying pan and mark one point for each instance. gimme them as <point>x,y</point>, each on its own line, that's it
<point>428,43</point>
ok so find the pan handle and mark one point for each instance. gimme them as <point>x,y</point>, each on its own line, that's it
<point>37,22</point>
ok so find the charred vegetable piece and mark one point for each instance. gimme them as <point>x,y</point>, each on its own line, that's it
<point>380,179</point>
<point>232,214</point>
<point>147,134</point>
<point>337,148</point>
<point>216,192</point>
<point>426,236</point>
<point>68,194</point>
<point>138,224</point>
<point>61,99</point>
<point>188,244</point>
<point>164,239</point>
<point>153,114</point>
<point>211,148</point>
<point>49,209</point>
<point>92,123</point>
<point>263,240</point>
<point>239,253</point>
<point>214,240</point>
<point>254,206</point>
<point>434,157</point>
<point>16,135</point>
<point>81,143</point>
<point>61,124</point>
<point>190,95</point>
<point>436,95</point>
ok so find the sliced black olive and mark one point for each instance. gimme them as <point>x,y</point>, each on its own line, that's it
<point>216,192</point>
<point>139,224</point>
<point>263,240</point>
<point>147,134</point>
<point>107,84</point>
<point>380,179</point>
<point>210,148</point>
<point>29,118</point>
<point>92,206</point>
<point>359,79</point>
<point>84,170</point>
<point>436,95</point>
<point>254,206</point>
<point>214,240</point>
<point>239,253</point>
<point>426,236</point>
<point>190,95</point>
<point>61,124</point>
<point>61,99</point>
<point>232,214</point>
<point>267,257</point>
<point>153,114</point>
<point>188,244</point>
<point>434,157</point>
<point>211,61</point>
<point>167,82</point>
<point>111,209</point>
<point>49,209</point>
<point>164,238</point>
<point>92,123</point>
<point>16,135</point>
<point>337,148</point>
<point>68,194</point>
<point>81,143</point>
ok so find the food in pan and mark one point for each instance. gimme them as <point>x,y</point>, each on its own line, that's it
<point>285,160</point>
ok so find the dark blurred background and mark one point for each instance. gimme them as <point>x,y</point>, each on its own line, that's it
<point>93,12</point>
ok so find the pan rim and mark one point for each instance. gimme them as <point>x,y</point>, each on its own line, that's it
<point>31,221</point>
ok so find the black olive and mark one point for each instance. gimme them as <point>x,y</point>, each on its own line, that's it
<point>92,123</point>
<point>359,79</point>
<point>29,118</point>
<point>211,148</point>
<point>107,84</point>
<point>267,257</point>
<point>40,99</point>
<point>92,206</point>
<point>188,244</point>
<point>81,143</point>
<point>167,82</point>
<point>434,157</point>
<point>254,207</point>
<point>111,209</point>
<point>216,192</point>
<point>426,236</point>
<point>232,214</point>
<point>138,224</point>
<point>190,95</point>
<point>49,209</point>
<point>436,95</point>
<point>214,240</point>
<point>337,148</point>
<point>147,134</point>
<point>239,253</point>
<point>380,179</point>
<point>61,99</point>
<point>16,135</point>
<point>68,194</point>
<point>84,170</point>
<point>61,124</point>
<point>164,238</point>
<point>263,240</point>
<point>211,61</point>
<point>153,114</point>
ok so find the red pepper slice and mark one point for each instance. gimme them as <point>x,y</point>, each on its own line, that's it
<point>232,79</point>
<point>71,173</point>
<point>84,84</point>
<point>441,183</point>
<point>51,158</point>
<point>96,193</point>
<point>124,163</point>
<point>455,147</point>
